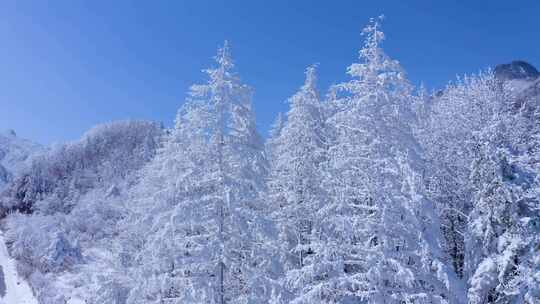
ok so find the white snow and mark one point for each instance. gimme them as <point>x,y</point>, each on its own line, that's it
<point>17,289</point>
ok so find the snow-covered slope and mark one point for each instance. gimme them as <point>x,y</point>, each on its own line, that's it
<point>13,289</point>
<point>15,155</point>
<point>70,199</point>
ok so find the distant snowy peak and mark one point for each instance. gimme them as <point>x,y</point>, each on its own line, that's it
<point>10,132</point>
<point>15,154</point>
<point>15,150</point>
<point>516,70</point>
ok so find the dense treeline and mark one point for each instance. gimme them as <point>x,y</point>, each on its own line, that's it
<point>378,192</point>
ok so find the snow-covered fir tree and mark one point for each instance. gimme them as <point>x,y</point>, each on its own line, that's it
<point>375,223</point>
<point>295,183</point>
<point>199,201</point>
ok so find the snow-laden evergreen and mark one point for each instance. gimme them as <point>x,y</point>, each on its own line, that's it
<point>295,190</point>
<point>199,200</point>
<point>375,222</point>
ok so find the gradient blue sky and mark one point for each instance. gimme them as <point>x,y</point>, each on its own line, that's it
<point>68,65</point>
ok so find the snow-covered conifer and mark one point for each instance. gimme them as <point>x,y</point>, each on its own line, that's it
<point>295,182</point>
<point>376,247</point>
<point>199,200</point>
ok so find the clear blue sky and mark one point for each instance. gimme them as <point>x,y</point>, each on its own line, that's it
<point>68,65</point>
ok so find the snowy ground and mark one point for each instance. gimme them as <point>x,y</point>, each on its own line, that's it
<point>13,290</point>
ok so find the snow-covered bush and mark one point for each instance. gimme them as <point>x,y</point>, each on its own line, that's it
<point>45,291</point>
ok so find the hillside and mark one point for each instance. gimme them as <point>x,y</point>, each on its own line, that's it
<point>71,198</point>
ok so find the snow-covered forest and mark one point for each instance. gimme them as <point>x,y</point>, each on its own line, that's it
<point>375,191</point>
